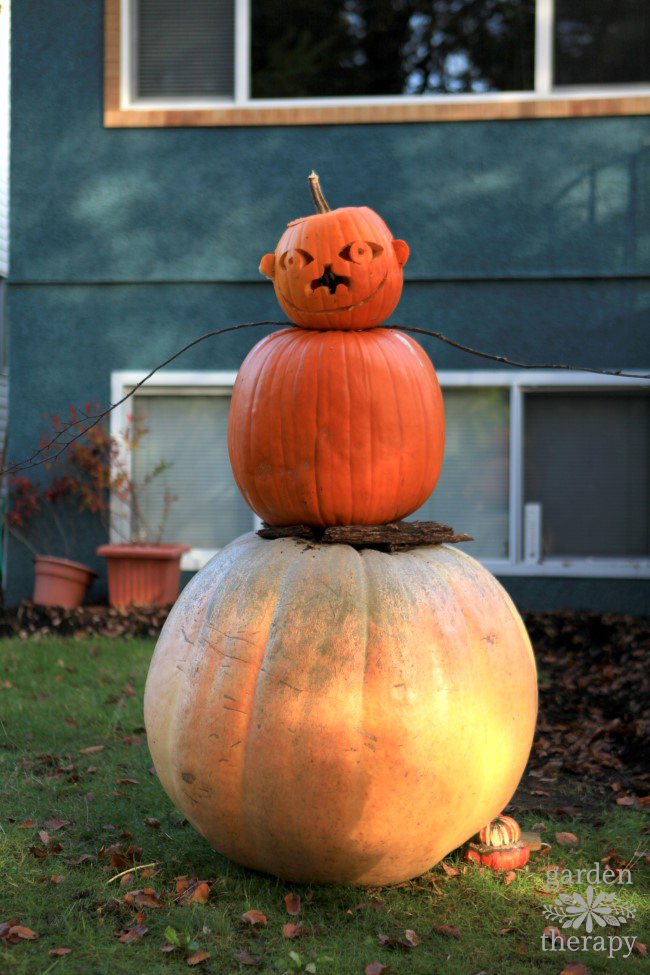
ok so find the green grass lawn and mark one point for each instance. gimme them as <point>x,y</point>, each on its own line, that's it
<point>59,698</point>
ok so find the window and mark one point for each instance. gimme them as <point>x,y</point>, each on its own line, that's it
<point>209,62</point>
<point>549,472</point>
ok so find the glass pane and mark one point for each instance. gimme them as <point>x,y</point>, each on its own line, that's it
<point>190,433</point>
<point>602,42</point>
<point>354,47</point>
<point>473,491</point>
<point>185,48</point>
<point>586,460</point>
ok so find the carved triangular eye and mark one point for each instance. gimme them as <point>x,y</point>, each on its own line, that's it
<point>361,251</point>
<point>295,259</point>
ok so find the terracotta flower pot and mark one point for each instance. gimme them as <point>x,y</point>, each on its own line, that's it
<point>60,582</point>
<point>143,575</point>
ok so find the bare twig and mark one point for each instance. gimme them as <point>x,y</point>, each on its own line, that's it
<point>51,450</point>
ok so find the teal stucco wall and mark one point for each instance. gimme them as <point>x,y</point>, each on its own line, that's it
<point>528,238</point>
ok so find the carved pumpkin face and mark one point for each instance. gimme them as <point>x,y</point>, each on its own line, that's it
<point>340,269</point>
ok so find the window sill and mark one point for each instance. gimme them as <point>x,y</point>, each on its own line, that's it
<point>447,108</point>
<point>576,568</point>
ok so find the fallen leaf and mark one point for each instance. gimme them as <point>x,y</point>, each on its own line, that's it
<point>196,892</point>
<point>641,948</point>
<point>506,931</point>
<point>70,721</point>
<point>19,931</point>
<point>411,938</point>
<point>447,929</point>
<point>92,749</point>
<point>128,781</point>
<point>244,957</point>
<point>626,801</point>
<point>59,951</point>
<point>135,933</point>
<point>143,898</point>
<point>55,878</point>
<point>566,839</point>
<point>197,958</point>
<point>253,917</point>
<point>450,871</point>
<point>81,858</point>
<point>151,821</point>
<point>538,827</point>
<point>554,934</point>
<point>54,824</point>
<point>293,903</point>
<point>509,877</point>
<point>127,879</point>
<point>27,824</point>
<point>38,852</point>
<point>575,968</point>
<point>375,968</point>
<point>169,948</point>
<point>291,929</point>
<point>45,837</point>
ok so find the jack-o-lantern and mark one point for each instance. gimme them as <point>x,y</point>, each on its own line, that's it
<point>337,268</point>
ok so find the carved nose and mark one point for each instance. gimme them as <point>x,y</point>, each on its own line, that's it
<point>330,280</point>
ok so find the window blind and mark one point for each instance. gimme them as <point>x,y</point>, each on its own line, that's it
<point>587,462</point>
<point>185,48</point>
<point>190,433</point>
<point>473,491</point>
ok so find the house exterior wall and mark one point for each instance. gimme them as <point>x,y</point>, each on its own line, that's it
<point>528,238</point>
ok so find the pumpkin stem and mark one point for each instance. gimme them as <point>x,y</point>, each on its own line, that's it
<point>321,204</point>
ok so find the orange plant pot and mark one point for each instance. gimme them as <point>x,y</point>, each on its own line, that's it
<point>143,575</point>
<point>60,582</point>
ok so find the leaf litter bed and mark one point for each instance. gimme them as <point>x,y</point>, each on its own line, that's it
<point>102,874</point>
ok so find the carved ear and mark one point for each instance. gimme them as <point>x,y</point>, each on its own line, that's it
<point>402,251</point>
<point>267,265</point>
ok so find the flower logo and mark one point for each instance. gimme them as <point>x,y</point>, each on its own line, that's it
<point>572,910</point>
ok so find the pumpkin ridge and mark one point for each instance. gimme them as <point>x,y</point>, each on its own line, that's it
<point>399,488</point>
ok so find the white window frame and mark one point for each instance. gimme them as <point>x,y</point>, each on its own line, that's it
<point>544,87</point>
<point>524,555</point>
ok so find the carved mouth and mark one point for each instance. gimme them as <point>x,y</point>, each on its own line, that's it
<point>332,311</point>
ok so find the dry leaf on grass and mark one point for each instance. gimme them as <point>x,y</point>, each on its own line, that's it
<point>244,957</point>
<point>375,968</point>
<point>575,968</point>
<point>292,902</point>
<point>253,917</point>
<point>509,877</point>
<point>450,871</point>
<point>641,949</point>
<point>20,931</point>
<point>566,839</point>
<point>153,822</point>
<point>128,781</point>
<point>135,933</point>
<point>446,929</point>
<point>554,934</point>
<point>91,749</point>
<point>197,958</point>
<point>54,824</point>
<point>291,929</point>
<point>192,891</point>
<point>59,951</point>
<point>27,824</point>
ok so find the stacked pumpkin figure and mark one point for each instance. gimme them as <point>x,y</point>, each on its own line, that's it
<point>330,712</point>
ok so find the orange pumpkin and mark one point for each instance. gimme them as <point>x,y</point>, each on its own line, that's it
<point>337,268</point>
<point>328,714</point>
<point>336,428</point>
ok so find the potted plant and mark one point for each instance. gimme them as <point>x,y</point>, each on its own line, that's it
<point>44,518</point>
<point>143,568</point>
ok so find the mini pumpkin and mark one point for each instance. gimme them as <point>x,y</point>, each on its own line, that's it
<point>499,857</point>
<point>502,831</point>
<point>337,268</point>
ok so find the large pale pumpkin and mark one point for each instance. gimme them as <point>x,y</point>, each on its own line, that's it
<point>328,714</point>
<point>336,428</point>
